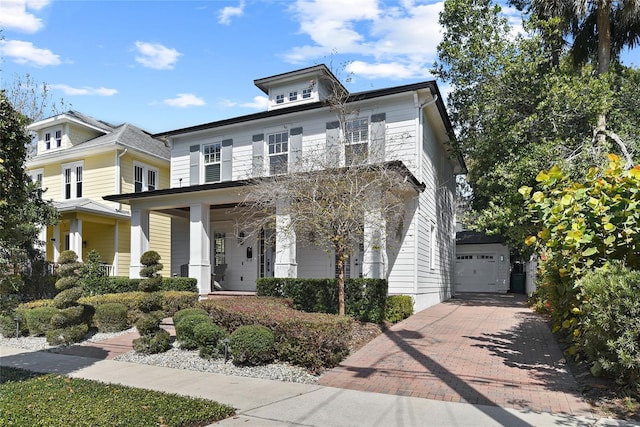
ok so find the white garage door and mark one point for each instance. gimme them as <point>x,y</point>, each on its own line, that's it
<point>476,272</point>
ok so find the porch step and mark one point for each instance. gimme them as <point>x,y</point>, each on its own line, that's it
<point>229,294</point>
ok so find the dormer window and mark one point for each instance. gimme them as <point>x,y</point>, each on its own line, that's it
<point>53,139</point>
<point>293,96</point>
<point>306,93</point>
<point>279,99</point>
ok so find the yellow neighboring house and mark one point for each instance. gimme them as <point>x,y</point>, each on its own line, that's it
<point>80,159</point>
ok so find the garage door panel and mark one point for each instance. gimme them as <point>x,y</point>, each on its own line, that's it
<point>476,272</point>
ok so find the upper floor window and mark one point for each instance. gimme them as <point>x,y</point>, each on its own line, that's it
<point>145,178</point>
<point>212,162</point>
<point>357,141</point>
<point>279,99</point>
<point>72,180</point>
<point>293,96</point>
<point>278,153</point>
<point>306,93</point>
<point>56,142</point>
<point>37,176</point>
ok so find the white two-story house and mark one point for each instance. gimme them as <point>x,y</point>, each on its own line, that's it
<point>213,163</point>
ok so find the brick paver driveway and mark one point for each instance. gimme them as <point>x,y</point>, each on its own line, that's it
<point>477,348</point>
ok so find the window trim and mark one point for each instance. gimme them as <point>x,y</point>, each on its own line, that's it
<point>211,163</point>
<point>363,128</point>
<point>280,153</point>
<point>74,183</point>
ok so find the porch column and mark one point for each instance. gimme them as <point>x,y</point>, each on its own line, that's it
<point>139,239</point>
<point>285,265</point>
<point>200,246</point>
<point>42,240</point>
<point>116,246</point>
<point>75,237</point>
<point>56,243</point>
<point>375,246</point>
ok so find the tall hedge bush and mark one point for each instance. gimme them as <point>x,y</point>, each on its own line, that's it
<point>365,299</point>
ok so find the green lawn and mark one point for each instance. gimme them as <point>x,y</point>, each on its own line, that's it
<point>32,399</point>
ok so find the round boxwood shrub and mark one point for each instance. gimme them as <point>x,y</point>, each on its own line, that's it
<point>68,334</point>
<point>111,317</point>
<point>184,330</point>
<point>208,336</point>
<point>188,312</point>
<point>252,345</point>
<point>148,323</point>
<point>38,320</point>
<point>7,326</point>
<point>158,342</point>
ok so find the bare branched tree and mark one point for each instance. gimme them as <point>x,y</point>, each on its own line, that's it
<point>34,100</point>
<point>337,199</point>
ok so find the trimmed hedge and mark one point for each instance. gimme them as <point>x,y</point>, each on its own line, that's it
<point>118,284</point>
<point>311,340</point>
<point>137,302</point>
<point>111,317</point>
<point>365,299</point>
<point>399,307</point>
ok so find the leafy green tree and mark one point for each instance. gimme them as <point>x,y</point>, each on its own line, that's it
<point>22,210</point>
<point>517,112</point>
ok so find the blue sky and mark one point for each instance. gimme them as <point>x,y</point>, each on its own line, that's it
<point>163,65</point>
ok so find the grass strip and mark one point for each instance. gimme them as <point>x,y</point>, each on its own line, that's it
<point>33,399</point>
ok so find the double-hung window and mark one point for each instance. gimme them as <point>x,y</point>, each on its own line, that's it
<point>72,180</point>
<point>278,153</point>
<point>212,162</point>
<point>58,138</point>
<point>47,140</point>
<point>280,99</point>
<point>53,138</point>
<point>357,141</point>
<point>306,93</point>
<point>293,96</point>
<point>145,178</point>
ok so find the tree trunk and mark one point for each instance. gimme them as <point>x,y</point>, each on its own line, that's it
<point>604,59</point>
<point>340,261</point>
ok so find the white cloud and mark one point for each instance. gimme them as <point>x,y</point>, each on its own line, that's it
<point>401,39</point>
<point>157,56</point>
<point>258,103</point>
<point>230,11</point>
<point>85,90</point>
<point>389,70</point>
<point>184,100</point>
<point>26,53</point>
<point>16,16</point>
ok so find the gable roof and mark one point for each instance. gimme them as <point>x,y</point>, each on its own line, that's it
<point>129,136</point>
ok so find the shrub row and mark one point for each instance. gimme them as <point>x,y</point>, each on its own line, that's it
<point>118,284</point>
<point>311,340</point>
<point>399,307</point>
<point>365,299</point>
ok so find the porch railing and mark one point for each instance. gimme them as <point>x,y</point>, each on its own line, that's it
<point>107,269</point>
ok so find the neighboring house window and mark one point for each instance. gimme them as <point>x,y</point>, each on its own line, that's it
<point>279,99</point>
<point>37,177</point>
<point>47,140</point>
<point>278,153</point>
<point>293,96</point>
<point>357,141</point>
<point>212,162</point>
<point>306,93</point>
<point>145,178</point>
<point>72,180</point>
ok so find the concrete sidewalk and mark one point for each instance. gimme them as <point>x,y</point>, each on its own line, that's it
<point>276,403</point>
